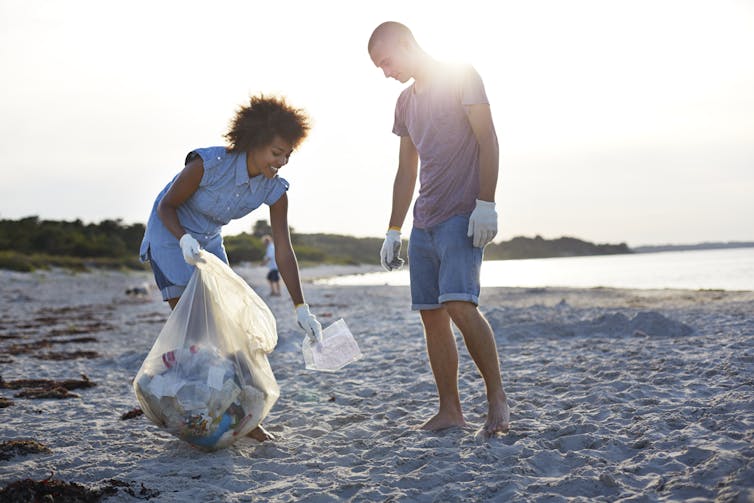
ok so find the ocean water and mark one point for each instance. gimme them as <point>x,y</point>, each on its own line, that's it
<point>726,269</point>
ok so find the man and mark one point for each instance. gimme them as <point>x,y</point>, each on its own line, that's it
<point>443,119</point>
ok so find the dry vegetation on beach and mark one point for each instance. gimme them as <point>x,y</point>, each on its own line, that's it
<point>617,395</point>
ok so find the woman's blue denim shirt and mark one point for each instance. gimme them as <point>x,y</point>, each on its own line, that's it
<point>225,193</point>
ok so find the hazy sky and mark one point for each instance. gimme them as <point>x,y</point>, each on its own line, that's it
<point>619,121</point>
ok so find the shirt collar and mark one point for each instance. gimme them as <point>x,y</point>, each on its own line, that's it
<point>242,175</point>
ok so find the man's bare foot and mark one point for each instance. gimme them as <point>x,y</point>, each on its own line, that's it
<point>260,434</point>
<point>443,420</point>
<point>498,417</point>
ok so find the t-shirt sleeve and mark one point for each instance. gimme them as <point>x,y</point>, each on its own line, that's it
<point>278,187</point>
<point>212,158</point>
<point>472,88</point>
<point>399,121</point>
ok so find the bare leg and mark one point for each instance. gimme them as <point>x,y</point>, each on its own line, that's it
<point>480,341</point>
<point>443,358</point>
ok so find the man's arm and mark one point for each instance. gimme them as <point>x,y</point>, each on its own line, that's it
<point>480,119</point>
<point>405,181</point>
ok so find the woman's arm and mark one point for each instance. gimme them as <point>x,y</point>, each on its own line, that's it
<point>183,187</point>
<point>284,254</point>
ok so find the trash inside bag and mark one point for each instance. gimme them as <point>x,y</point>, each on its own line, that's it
<point>207,379</point>
<point>337,349</point>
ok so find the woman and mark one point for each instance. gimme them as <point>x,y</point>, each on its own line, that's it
<point>218,184</point>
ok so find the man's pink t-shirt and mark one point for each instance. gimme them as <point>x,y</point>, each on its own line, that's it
<point>437,124</point>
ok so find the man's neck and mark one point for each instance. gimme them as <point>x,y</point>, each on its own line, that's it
<point>425,74</point>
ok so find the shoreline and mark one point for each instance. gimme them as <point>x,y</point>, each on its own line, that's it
<point>588,271</point>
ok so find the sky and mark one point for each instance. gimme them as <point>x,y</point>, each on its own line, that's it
<point>618,121</point>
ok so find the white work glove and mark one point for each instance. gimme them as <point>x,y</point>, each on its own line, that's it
<point>391,249</point>
<point>190,248</point>
<point>309,323</point>
<point>483,223</point>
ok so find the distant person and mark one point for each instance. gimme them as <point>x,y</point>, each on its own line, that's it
<point>443,119</point>
<point>273,275</point>
<point>218,184</point>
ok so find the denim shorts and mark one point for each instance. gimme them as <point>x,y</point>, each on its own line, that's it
<point>168,289</point>
<point>444,265</point>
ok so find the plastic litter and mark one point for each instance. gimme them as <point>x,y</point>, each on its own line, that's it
<point>337,349</point>
<point>207,379</point>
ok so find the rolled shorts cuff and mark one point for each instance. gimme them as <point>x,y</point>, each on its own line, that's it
<point>425,307</point>
<point>172,292</point>
<point>463,297</point>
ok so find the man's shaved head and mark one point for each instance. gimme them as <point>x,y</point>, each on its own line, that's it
<point>391,31</point>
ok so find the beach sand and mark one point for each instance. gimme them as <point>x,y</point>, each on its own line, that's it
<point>616,395</point>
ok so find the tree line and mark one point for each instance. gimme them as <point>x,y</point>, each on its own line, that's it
<point>30,243</point>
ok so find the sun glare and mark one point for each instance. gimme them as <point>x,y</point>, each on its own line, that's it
<point>444,41</point>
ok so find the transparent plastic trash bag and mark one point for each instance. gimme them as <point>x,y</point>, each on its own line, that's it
<point>207,379</point>
<point>337,349</point>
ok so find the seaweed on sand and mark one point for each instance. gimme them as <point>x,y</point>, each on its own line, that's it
<point>60,491</point>
<point>47,388</point>
<point>11,448</point>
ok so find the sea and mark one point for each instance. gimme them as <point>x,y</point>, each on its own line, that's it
<point>719,269</point>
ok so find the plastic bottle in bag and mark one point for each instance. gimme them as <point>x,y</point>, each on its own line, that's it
<point>172,358</point>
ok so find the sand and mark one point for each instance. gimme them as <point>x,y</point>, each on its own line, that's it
<point>616,395</point>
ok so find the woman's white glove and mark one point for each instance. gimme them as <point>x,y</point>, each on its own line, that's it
<point>483,223</point>
<point>309,323</point>
<point>190,248</point>
<point>391,250</point>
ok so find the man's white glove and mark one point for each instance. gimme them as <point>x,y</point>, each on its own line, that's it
<point>190,248</point>
<point>483,223</point>
<point>391,249</point>
<point>309,323</point>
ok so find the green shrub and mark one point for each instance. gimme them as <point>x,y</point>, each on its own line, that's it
<point>15,262</point>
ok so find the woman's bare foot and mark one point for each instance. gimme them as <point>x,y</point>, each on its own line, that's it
<point>443,420</point>
<point>260,434</point>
